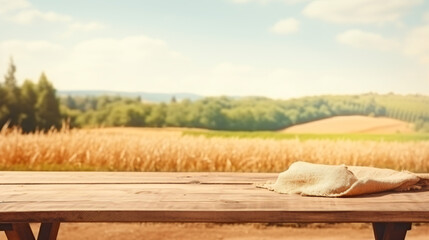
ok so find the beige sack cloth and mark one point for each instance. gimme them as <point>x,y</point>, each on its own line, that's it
<point>341,180</point>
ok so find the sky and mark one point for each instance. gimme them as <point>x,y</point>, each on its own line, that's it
<point>273,48</point>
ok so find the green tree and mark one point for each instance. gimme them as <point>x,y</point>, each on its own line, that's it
<point>176,114</point>
<point>70,102</point>
<point>47,106</point>
<point>212,113</point>
<point>4,111</point>
<point>157,115</point>
<point>131,115</point>
<point>28,106</point>
<point>12,95</point>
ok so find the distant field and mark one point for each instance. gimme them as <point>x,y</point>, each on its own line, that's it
<point>353,124</point>
<point>353,128</point>
<point>262,135</point>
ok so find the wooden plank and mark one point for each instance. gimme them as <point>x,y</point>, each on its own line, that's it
<point>199,202</point>
<point>242,216</point>
<point>194,196</point>
<point>187,197</point>
<point>20,231</point>
<point>48,231</point>
<point>133,177</point>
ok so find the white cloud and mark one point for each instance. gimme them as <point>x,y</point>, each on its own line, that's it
<point>285,26</point>
<point>359,11</point>
<point>28,16</point>
<point>22,12</point>
<point>86,27</point>
<point>83,27</point>
<point>136,62</point>
<point>228,78</point>
<point>266,1</point>
<point>31,57</point>
<point>241,1</point>
<point>11,5</point>
<point>416,43</point>
<point>141,63</point>
<point>360,39</point>
<point>283,82</point>
<point>28,46</point>
<point>426,17</point>
<point>228,68</point>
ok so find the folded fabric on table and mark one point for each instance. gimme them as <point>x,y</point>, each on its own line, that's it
<point>341,180</point>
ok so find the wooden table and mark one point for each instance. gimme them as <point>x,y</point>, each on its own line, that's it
<point>54,197</point>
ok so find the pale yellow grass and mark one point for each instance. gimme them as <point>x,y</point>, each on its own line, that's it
<point>353,124</point>
<point>169,151</point>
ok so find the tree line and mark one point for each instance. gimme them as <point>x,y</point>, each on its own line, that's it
<point>35,106</point>
<point>237,114</point>
<point>31,106</point>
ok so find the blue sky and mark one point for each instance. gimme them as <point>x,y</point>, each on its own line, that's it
<point>274,48</point>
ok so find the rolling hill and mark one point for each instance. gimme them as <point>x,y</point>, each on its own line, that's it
<point>352,124</point>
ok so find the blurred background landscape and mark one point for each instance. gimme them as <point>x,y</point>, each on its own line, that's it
<point>225,85</point>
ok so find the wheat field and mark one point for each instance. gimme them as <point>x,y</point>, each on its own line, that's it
<point>161,150</point>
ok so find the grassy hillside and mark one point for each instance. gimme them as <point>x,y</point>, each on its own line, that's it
<point>414,137</point>
<point>408,108</point>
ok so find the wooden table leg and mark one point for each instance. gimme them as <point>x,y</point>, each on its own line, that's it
<point>48,231</point>
<point>5,226</point>
<point>20,231</point>
<point>390,231</point>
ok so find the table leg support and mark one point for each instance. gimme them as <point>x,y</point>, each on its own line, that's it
<point>6,227</point>
<point>20,231</point>
<point>390,231</point>
<point>48,231</point>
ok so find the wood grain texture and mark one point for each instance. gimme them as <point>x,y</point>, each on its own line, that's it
<point>187,197</point>
<point>133,177</point>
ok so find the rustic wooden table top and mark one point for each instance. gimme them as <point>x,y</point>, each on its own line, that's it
<point>187,197</point>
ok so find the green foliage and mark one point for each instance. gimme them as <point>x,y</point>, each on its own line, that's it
<point>411,108</point>
<point>4,110</point>
<point>242,114</point>
<point>12,96</point>
<point>28,100</point>
<point>30,106</point>
<point>9,78</point>
<point>48,112</point>
<point>422,126</point>
<point>126,115</point>
<point>157,116</point>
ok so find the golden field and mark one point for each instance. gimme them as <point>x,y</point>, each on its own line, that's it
<point>353,124</point>
<point>119,149</point>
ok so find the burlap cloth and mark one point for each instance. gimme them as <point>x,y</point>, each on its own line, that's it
<point>342,181</point>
